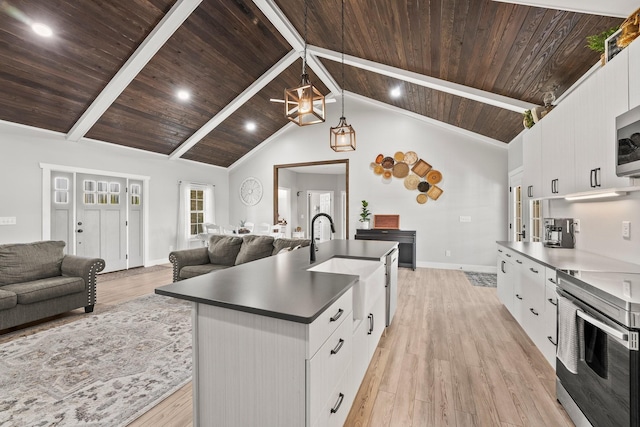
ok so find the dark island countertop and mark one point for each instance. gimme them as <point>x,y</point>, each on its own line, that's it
<point>280,286</point>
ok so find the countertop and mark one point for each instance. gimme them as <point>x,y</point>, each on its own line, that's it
<point>570,259</point>
<point>280,286</point>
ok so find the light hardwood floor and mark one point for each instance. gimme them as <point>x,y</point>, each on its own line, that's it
<point>453,356</point>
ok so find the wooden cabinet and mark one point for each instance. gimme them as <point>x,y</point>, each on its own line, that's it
<point>634,71</point>
<point>406,243</point>
<point>532,162</point>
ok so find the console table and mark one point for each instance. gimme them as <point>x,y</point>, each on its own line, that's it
<point>406,243</point>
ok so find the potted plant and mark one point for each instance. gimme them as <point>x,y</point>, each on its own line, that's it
<point>365,215</point>
<point>527,119</point>
<point>595,42</point>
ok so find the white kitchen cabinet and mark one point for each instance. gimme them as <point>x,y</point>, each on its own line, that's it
<point>558,149</point>
<point>532,162</point>
<point>550,318</point>
<point>634,71</point>
<point>506,278</point>
<point>599,100</point>
<point>530,298</point>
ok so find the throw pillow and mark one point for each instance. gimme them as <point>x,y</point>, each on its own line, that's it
<point>254,247</point>
<point>24,262</point>
<point>223,250</point>
<point>278,244</point>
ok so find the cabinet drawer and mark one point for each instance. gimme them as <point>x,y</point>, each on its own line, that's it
<point>326,368</point>
<point>337,407</point>
<point>329,321</point>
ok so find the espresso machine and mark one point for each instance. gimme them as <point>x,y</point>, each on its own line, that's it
<point>558,233</point>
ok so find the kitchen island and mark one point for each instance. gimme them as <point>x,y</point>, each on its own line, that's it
<point>277,344</point>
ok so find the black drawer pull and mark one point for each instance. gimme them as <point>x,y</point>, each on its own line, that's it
<point>518,296</point>
<point>371,324</point>
<point>552,301</point>
<point>337,316</point>
<point>500,250</point>
<point>338,404</point>
<point>509,255</point>
<point>337,348</point>
<point>518,261</point>
<point>551,280</point>
<point>533,311</point>
<point>533,269</point>
<point>551,341</point>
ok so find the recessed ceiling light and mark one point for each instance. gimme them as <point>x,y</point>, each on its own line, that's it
<point>251,126</point>
<point>42,30</point>
<point>396,92</point>
<point>183,95</point>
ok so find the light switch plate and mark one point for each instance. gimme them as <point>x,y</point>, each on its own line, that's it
<point>576,225</point>
<point>8,220</point>
<point>626,229</point>
<point>465,218</point>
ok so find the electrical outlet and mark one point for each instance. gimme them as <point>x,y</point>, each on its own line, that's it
<point>465,218</point>
<point>447,253</point>
<point>576,225</point>
<point>626,288</point>
<point>626,229</point>
<point>8,220</point>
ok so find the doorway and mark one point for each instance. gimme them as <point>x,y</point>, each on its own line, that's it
<point>320,202</point>
<point>97,215</point>
<point>517,231</point>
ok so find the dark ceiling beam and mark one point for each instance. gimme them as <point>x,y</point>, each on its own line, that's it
<point>426,81</point>
<point>180,11</point>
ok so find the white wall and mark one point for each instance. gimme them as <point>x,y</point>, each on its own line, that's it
<point>474,184</point>
<point>23,149</point>
<point>601,225</point>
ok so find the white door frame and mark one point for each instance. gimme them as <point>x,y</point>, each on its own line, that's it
<point>47,168</point>
<point>515,179</point>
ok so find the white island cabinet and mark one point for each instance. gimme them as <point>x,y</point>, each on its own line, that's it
<point>282,342</point>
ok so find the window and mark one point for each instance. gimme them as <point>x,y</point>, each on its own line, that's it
<point>90,192</point>
<point>196,211</point>
<point>135,194</point>
<point>61,190</point>
<point>536,220</point>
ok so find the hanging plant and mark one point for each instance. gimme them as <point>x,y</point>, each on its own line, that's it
<point>595,42</point>
<point>527,119</point>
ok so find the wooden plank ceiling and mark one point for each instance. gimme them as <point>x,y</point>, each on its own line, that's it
<point>224,46</point>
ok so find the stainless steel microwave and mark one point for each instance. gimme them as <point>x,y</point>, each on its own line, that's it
<point>628,143</point>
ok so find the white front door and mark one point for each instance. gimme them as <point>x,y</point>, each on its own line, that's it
<point>320,202</point>
<point>101,219</point>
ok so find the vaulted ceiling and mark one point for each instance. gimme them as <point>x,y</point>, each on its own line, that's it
<point>112,69</point>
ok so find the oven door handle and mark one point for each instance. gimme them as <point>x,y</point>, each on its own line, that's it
<point>622,336</point>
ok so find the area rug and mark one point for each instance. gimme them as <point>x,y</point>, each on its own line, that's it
<point>103,370</point>
<point>488,280</point>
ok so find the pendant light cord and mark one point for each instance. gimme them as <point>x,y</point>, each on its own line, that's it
<point>342,58</point>
<point>304,58</point>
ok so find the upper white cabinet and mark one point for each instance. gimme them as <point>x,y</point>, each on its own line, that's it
<point>634,70</point>
<point>532,162</point>
<point>573,148</point>
<point>600,99</point>
<point>558,149</point>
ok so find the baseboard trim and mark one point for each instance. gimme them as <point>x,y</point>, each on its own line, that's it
<point>463,267</point>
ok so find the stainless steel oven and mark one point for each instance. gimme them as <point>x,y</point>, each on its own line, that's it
<point>600,385</point>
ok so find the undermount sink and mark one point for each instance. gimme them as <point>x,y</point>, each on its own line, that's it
<point>366,289</point>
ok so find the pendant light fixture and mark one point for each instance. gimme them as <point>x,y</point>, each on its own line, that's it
<point>342,137</point>
<point>304,105</point>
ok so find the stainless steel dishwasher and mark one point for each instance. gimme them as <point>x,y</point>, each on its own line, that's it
<point>391,264</point>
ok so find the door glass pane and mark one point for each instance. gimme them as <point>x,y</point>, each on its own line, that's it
<point>61,183</point>
<point>103,186</point>
<point>89,186</point>
<point>114,187</point>
<point>89,198</point>
<point>102,199</point>
<point>62,197</point>
<point>114,199</point>
<point>135,200</point>
<point>135,189</point>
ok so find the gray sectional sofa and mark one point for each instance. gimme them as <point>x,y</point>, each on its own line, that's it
<point>38,280</point>
<point>227,251</point>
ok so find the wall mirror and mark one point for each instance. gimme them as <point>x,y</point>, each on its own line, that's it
<point>301,190</point>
